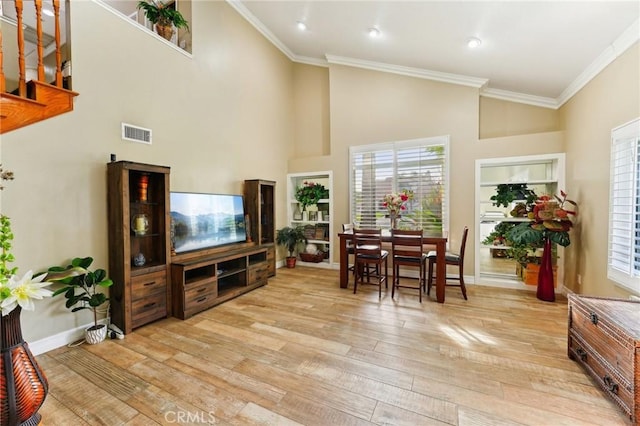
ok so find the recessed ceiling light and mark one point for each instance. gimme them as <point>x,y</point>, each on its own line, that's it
<point>373,32</point>
<point>301,26</point>
<point>47,12</point>
<point>474,42</point>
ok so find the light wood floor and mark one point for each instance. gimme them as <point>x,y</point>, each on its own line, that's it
<point>303,351</point>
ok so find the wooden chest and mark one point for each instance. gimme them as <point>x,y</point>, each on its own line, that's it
<point>604,337</point>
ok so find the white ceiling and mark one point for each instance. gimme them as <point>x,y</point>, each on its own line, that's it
<point>537,52</point>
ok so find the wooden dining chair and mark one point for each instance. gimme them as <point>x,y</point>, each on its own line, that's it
<point>454,260</point>
<point>369,258</point>
<point>406,248</point>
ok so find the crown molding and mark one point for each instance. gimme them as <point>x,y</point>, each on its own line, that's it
<point>611,53</point>
<point>522,98</point>
<point>250,17</point>
<point>311,61</point>
<point>444,77</point>
<point>619,46</point>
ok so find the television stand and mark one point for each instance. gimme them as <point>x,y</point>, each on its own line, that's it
<point>203,281</point>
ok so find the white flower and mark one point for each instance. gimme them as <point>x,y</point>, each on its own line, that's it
<point>23,290</point>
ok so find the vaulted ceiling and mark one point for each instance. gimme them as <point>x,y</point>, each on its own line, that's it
<point>537,52</point>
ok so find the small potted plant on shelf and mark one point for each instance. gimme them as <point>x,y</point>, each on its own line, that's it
<point>310,193</point>
<point>506,193</point>
<point>163,16</point>
<point>292,239</point>
<point>498,238</point>
<point>80,288</point>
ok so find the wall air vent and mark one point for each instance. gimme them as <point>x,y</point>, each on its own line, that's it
<point>136,134</point>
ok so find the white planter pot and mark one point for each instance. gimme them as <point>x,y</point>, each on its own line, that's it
<point>94,336</point>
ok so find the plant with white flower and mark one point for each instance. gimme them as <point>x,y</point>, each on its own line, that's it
<point>22,291</point>
<point>16,291</point>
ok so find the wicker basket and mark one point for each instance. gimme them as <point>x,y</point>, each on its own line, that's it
<point>314,258</point>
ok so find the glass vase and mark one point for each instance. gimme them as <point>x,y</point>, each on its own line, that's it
<point>393,218</point>
<point>546,290</point>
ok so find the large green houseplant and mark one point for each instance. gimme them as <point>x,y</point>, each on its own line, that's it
<point>292,239</point>
<point>163,16</point>
<point>81,289</point>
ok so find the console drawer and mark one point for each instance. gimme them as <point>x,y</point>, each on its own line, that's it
<point>200,302</point>
<point>271,261</point>
<point>145,285</point>
<point>195,292</point>
<point>148,309</point>
<point>258,273</point>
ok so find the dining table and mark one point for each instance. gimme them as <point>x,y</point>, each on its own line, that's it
<point>439,241</point>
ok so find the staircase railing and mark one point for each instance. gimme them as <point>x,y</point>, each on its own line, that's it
<point>37,99</point>
<point>22,86</point>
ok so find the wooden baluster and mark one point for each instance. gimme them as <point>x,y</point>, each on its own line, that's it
<point>3,83</point>
<point>56,12</point>
<point>22,84</point>
<point>40,49</point>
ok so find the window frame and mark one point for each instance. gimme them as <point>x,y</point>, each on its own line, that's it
<point>394,146</point>
<point>624,268</point>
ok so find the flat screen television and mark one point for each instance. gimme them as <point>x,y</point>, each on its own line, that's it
<point>200,221</point>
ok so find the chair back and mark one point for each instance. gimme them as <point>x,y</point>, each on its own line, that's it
<point>463,244</point>
<point>407,244</point>
<point>367,243</point>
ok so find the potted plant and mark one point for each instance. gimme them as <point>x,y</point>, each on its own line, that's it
<point>292,239</point>
<point>81,291</point>
<point>163,16</point>
<point>498,237</point>
<point>506,193</point>
<point>550,226</point>
<point>310,193</point>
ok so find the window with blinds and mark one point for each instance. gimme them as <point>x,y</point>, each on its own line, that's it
<point>420,166</point>
<point>623,264</point>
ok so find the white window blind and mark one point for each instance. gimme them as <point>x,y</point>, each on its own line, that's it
<point>417,165</point>
<point>623,264</point>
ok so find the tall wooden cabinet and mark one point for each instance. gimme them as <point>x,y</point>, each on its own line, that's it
<point>139,243</point>
<point>259,204</point>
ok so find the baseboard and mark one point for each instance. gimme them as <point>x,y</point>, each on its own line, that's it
<point>61,339</point>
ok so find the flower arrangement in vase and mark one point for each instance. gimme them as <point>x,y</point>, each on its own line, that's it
<point>395,203</point>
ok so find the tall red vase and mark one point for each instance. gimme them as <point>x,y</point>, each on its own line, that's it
<point>23,385</point>
<point>546,290</point>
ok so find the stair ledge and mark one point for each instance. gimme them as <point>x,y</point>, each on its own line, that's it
<point>49,101</point>
<point>57,99</point>
<point>19,112</point>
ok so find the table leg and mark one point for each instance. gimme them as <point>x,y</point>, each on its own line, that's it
<point>344,263</point>
<point>441,271</point>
